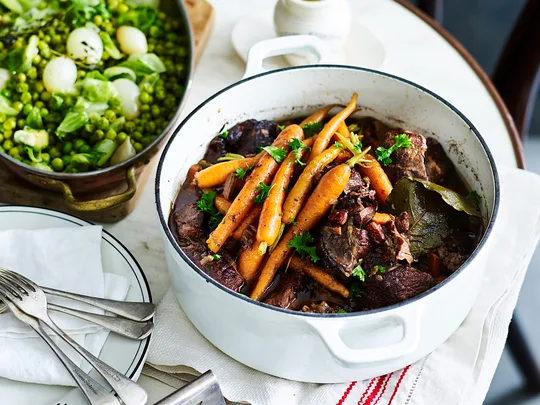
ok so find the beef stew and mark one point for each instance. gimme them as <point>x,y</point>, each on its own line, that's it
<point>326,214</point>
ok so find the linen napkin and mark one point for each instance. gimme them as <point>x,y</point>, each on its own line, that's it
<point>458,372</point>
<point>67,259</point>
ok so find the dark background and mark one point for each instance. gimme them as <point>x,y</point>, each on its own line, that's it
<point>482,26</point>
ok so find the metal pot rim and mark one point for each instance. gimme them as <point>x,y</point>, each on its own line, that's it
<point>481,244</point>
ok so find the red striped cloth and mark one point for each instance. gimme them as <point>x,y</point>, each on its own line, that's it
<point>377,391</point>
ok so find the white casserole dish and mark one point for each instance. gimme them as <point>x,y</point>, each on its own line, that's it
<point>326,348</point>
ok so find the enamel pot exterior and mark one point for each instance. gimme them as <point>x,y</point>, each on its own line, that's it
<point>318,347</point>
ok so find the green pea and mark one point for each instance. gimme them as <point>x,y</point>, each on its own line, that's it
<point>94,118</point>
<point>98,20</point>
<point>123,8</point>
<point>14,153</point>
<point>54,152</point>
<point>21,77</point>
<point>32,73</point>
<point>78,143</point>
<point>68,147</point>
<point>46,157</point>
<point>145,108</point>
<point>155,111</point>
<point>100,134</point>
<point>57,164</point>
<point>111,134</point>
<point>81,74</point>
<point>26,98</point>
<point>8,144</point>
<point>22,87</point>
<point>89,128</point>
<point>45,96</point>
<point>84,149</point>
<point>56,39</point>
<point>39,104</point>
<point>66,160</point>
<point>110,115</point>
<point>151,126</point>
<point>103,123</point>
<point>138,147</point>
<point>129,126</point>
<point>47,39</point>
<point>136,135</point>
<point>21,122</point>
<point>44,112</point>
<point>1,138</point>
<point>121,137</point>
<point>3,118</point>
<point>40,87</point>
<point>10,123</point>
<point>8,134</point>
<point>145,98</point>
<point>27,109</point>
<point>17,105</point>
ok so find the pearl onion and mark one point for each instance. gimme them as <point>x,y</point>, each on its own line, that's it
<point>132,40</point>
<point>84,44</point>
<point>129,95</point>
<point>59,75</point>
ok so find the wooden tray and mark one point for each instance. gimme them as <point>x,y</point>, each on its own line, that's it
<point>14,190</point>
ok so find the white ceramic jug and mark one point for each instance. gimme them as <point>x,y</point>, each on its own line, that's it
<point>329,20</point>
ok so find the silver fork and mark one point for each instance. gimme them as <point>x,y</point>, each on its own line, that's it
<point>136,311</point>
<point>91,389</point>
<point>33,302</point>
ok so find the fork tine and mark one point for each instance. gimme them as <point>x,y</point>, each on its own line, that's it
<point>14,283</point>
<point>22,279</point>
<point>6,292</point>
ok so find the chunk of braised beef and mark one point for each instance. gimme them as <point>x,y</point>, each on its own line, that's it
<point>246,137</point>
<point>320,307</point>
<point>401,244</point>
<point>376,232</point>
<point>224,270</point>
<point>403,221</point>
<point>394,286</point>
<point>406,162</point>
<point>338,217</point>
<point>189,222</point>
<point>286,292</point>
<point>456,250</point>
<point>438,166</point>
<point>215,150</point>
<point>363,216</point>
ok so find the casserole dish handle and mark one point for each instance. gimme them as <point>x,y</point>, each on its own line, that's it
<point>331,335</point>
<point>283,46</point>
<point>91,205</point>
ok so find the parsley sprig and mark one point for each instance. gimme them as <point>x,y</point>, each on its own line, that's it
<point>281,127</point>
<point>206,204</point>
<point>297,146</point>
<point>312,128</point>
<point>383,154</point>
<point>264,191</point>
<point>359,273</point>
<point>224,134</point>
<point>241,173</point>
<point>279,154</point>
<point>302,243</point>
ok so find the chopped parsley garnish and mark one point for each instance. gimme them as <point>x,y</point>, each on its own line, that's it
<point>474,197</point>
<point>224,134</point>
<point>359,272</point>
<point>293,222</point>
<point>279,154</point>
<point>312,128</point>
<point>302,243</point>
<point>297,146</point>
<point>383,154</point>
<point>281,127</point>
<point>380,269</point>
<point>341,311</point>
<point>264,191</point>
<point>206,204</point>
<point>241,173</point>
<point>338,145</point>
<point>216,257</point>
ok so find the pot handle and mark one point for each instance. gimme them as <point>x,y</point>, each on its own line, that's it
<point>283,46</point>
<point>92,205</point>
<point>351,357</point>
